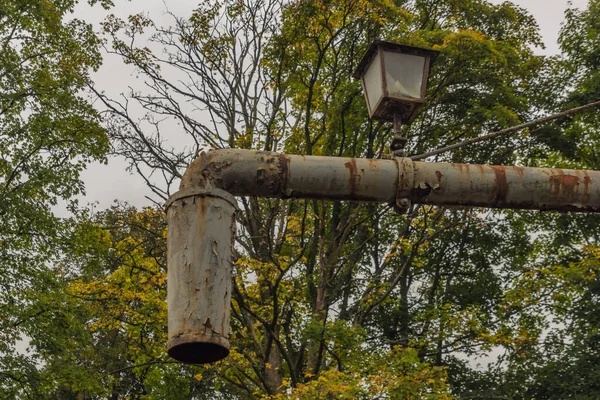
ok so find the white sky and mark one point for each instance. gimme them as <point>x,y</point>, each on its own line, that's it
<point>105,183</point>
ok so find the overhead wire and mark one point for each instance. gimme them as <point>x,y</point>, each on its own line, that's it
<point>512,129</point>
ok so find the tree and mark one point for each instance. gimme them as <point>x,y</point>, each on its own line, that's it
<point>330,273</point>
<point>106,339</point>
<point>48,133</point>
<point>579,43</point>
<point>341,299</point>
<point>570,352</point>
<point>557,293</point>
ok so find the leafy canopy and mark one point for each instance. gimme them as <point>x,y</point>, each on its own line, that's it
<point>340,300</point>
<point>49,132</point>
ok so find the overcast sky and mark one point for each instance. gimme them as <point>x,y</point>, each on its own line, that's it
<point>104,183</point>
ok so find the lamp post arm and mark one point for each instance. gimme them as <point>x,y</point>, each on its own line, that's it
<point>268,174</point>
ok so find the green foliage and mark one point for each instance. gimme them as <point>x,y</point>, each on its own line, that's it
<point>48,133</point>
<point>579,73</point>
<point>105,331</point>
<point>396,374</point>
<point>317,284</point>
<point>338,300</point>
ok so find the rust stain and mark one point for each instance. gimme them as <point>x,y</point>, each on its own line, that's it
<point>261,175</point>
<point>501,184</point>
<point>565,185</point>
<point>465,169</point>
<point>439,176</point>
<point>352,168</point>
<point>519,170</point>
<point>201,206</point>
<point>284,162</point>
<point>586,186</point>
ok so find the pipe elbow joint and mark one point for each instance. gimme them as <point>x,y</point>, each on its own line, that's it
<point>237,171</point>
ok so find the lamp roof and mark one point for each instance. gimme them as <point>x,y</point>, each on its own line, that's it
<point>401,48</point>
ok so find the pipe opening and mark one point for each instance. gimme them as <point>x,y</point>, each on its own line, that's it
<point>198,352</point>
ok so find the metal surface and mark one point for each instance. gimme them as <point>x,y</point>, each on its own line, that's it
<point>379,45</point>
<point>405,184</point>
<point>266,174</point>
<point>506,187</point>
<point>201,216</point>
<point>398,140</point>
<point>200,244</point>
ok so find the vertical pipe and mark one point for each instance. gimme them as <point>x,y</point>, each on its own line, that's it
<point>200,259</point>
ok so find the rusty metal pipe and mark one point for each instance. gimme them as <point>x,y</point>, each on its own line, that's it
<point>200,262</point>
<point>267,174</point>
<point>546,189</point>
<point>201,216</point>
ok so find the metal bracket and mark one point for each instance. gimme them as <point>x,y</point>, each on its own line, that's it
<point>406,178</point>
<point>398,140</point>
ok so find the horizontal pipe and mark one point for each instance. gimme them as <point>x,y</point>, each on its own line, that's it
<point>495,186</point>
<point>268,174</point>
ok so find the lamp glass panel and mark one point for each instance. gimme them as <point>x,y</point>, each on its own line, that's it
<point>404,74</point>
<point>372,84</point>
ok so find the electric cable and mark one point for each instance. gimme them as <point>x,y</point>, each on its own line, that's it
<point>506,131</point>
